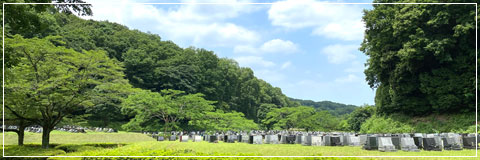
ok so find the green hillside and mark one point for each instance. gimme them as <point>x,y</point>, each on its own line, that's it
<point>334,108</point>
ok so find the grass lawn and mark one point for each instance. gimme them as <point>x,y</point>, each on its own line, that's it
<point>135,144</point>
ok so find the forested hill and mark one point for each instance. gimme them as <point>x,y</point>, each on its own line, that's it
<point>334,108</point>
<point>153,64</point>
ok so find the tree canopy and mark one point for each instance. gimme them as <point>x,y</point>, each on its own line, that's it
<point>421,57</point>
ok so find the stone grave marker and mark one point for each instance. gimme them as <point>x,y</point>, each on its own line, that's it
<point>160,138</point>
<point>290,139</point>
<point>408,144</point>
<point>469,142</point>
<point>450,144</point>
<point>230,138</point>
<point>213,139</point>
<point>336,141</point>
<point>385,144</point>
<point>173,138</point>
<point>429,144</point>
<point>418,142</point>
<point>255,139</point>
<point>363,139</point>
<point>327,141</point>
<point>271,139</point>
<point>354,141</point>
<point>183,138</point>
<point>371,143</point>
<point>396,142</point>
<point>196,138</point>
<point>299,139</point>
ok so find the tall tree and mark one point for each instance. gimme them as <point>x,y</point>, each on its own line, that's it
<point>55,80</point>
<point>421,57</point>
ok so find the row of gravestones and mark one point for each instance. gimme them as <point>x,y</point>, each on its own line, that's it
<point>381,142</point>
<point>427,142</point>
<point>66,128</point>
<point>72,129</point>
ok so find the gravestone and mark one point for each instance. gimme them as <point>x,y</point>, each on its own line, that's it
<point>283,139</point>
<point>385,144</point>
<point>469,142</point>
<point>271,139</point>
<point>213,139</point>
<point>183,138</point>
<point>363,139</point>
<point>307,141</point>
<point>160,138</point>
<point>255,139</point>
<point>354,141</point>
<point>173,138</point>
<point>230,138</point>
<point>336,141</point>
<point>438,141</point>
<point>371,143</point>
<point>396,142</point>
<point>196,138</point>
<point>449,144</point>
<point>408,144</point>
<point>290,139</point>
<point>418,142</point>
<point>327,141</point>
<point>245,138</point>
<point>429,144</point>
<point>299,139</point>
<point>312,140</point>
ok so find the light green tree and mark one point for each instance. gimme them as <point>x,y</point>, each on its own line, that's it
<point>55,81</point>
<point>168,107</point>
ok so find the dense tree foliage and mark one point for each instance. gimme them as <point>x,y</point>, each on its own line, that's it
<point>334,108</point>
<point>359,116</point>
<point>54,81</point>
<point>153,64</point>
<point>220,121</point>
<point>301,117</point>
<point>167,107</point>
<point>421,57</point>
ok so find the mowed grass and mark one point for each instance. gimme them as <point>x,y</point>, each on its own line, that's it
<point>59,137</point>
<point>135,144</point>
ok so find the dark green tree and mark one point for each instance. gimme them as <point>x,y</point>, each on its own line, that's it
<point>359,116</point>
<point>421,57</point>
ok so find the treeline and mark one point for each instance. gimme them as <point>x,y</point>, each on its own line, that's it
<point>337,109</point>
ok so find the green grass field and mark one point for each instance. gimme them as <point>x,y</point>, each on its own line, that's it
<point>135,144</point>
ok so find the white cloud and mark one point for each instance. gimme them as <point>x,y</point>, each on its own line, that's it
<point>338,53</point>
<point>278,45</point>
<point>286,65</point>
<point>199,25</point>
<point>348,79</point>
<point>272,46</point>
<point>253,61</point>
<point>330,20</point>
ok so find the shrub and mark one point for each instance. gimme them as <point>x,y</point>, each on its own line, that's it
<point>380,124</point>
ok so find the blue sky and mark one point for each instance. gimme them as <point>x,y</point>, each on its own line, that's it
<point>307,48</point>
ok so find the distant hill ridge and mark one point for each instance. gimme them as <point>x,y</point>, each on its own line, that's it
<point>334,108</point>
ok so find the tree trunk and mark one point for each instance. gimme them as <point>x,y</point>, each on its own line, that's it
<point>165,128</point>
<point>21,134</point>
<point>46,136</point>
